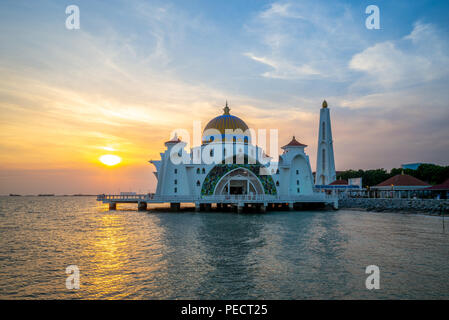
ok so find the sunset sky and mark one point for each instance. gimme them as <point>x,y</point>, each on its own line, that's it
<point>137,70</point>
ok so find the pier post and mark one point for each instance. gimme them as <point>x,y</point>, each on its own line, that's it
<point>290,206</point>
<point>335,205</point>
<point>112,206</point>
<point>175,206</point>
<point>239,208</point>
<point>142,206</point>
<point>208,206</point>
<point>197,207</point>
<point>263,208</point>
<point>219,206</point>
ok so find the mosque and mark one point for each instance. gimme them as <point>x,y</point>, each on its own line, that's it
<point>228,169</point>
<point>227,164</point>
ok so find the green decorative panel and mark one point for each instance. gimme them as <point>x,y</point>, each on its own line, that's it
<point>220,170</point>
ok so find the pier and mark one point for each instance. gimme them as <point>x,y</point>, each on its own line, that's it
<point>261,202</point>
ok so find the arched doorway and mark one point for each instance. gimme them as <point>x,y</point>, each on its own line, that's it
<point>239,181</point>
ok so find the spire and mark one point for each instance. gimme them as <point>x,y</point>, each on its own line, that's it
<point>324,104</point>
<point>226,109</point>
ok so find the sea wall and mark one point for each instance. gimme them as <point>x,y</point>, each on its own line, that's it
<point>404,205</point>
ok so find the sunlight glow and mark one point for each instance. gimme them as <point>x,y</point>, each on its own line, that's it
<point>110,160</point>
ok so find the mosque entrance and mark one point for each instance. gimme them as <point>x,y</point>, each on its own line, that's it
<point>239,181</point>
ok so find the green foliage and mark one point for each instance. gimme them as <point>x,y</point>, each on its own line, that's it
<point>431,173</point>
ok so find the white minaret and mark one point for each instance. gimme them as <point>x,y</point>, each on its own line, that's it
<point>325,165</point>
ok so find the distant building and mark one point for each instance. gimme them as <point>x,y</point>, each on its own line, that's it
<point>401,185</point>
<point>355,182</point>
<point>340,182</point>
<point>411,166</point>
<point>441,190</point>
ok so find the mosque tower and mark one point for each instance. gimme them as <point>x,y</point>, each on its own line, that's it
<point>325,165</point>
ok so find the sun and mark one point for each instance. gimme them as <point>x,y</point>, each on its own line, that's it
<point>110,159</point>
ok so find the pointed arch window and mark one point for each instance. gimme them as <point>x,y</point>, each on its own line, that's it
<point>198,183</point>
<point>324,159</point>
<point>324,130</point>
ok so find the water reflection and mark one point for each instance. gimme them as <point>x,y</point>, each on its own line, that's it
<point>228,246</point>
<point>163,255</point>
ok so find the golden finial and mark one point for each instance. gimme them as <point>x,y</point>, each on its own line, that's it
<point>324,104</point>
<point>226,109</point>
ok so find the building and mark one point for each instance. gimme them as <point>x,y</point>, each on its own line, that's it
<point>325,164</point>
<point>411,166</point>
<point>400,186</point>
<point>227,163</point>
<point>440,191</point>
<point>228,169</point>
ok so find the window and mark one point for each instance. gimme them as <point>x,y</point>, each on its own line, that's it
<point>297,190</point>
<point>277,183</point>
<point>324,131</point>
<point>212,153</point>
<point>197,170</point>
<point>176,190</point>
<point>297,171</point>
<point>176,171</point>
<point>198,183</point>
<point>297,182</point>
<point>176,181</point>
<point>204,171</point>
<point>324,159</point>
<point>277,171</point>
<point>246,140</point>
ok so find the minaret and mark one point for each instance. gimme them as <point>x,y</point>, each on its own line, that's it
<point>325,165</point>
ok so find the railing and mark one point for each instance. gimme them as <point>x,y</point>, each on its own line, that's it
<point>129,197</point>
<point>215,198</point>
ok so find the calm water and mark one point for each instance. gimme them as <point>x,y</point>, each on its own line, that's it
<point>162,255</point>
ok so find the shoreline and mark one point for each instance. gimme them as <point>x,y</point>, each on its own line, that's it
<point>398,211</point>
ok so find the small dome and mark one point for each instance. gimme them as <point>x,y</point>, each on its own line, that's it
<point>324,104</point>
<point>226,121</point>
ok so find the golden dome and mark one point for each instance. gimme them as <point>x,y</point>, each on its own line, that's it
<point>324,104</point>
<point>226,121</point>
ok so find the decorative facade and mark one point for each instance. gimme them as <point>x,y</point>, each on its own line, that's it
<point>228,163</point>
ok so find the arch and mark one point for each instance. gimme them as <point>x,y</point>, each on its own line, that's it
<point>218,171</point>
<point>241,174</point>
<point>300,179</point>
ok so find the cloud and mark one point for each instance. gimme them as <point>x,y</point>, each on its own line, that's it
<point>280,10</point>
<point>305,40</point>
<point>420,57</point>
<point>283,69</point>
